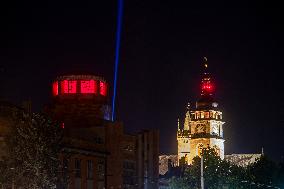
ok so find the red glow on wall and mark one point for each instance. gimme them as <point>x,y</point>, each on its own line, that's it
<point>55,88</point>
<point>88,86</point>
<point>68,86</point>
<point>62,125</point>
<point>103,88</point>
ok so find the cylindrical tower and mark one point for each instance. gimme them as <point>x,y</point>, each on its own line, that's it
<point>80,100</point>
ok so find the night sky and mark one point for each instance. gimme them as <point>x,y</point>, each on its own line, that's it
<point>161,62</point>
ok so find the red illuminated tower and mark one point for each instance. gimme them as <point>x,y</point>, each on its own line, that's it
<point>80,100</point>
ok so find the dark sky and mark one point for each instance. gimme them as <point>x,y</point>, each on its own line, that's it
<point>161,61</point>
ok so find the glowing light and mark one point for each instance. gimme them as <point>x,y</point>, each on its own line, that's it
<point>103,88</point>
<point>117,48</point>
<point>55,88</point>
<point>88,86</point>
<point>207,87</point>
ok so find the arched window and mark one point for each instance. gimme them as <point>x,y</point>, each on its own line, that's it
<point>207,115</point>
<point>199,149</point>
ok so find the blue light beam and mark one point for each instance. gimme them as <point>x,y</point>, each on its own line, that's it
<point>117,50</point>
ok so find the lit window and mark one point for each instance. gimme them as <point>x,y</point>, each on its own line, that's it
<point>55,88</point>
<point>103,88</point>
<point>88,86</point>
<point>72,85</point>
<point>64,87</point>
<point>202,114</point>
<point>207,115</point>
<point>68,86</point>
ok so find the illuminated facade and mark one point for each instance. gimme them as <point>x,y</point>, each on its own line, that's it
<point>203,125</point>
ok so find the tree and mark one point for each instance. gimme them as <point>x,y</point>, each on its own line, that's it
<point>264,172</point>
<point>218,173</point>
<point>33,148</point>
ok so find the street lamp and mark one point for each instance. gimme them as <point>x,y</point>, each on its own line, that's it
<point>13,185</point>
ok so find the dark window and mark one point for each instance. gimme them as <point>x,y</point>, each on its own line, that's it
<point>90,169</point>
<point>65,166</point>
<point>77,168</point>
<point>101,169</point>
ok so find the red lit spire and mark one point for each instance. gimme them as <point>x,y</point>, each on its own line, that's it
<point>207,86</point>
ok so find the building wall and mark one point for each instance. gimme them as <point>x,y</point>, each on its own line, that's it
<point>164,161</point>
<point>148,159</point>
<point>202,129</point>
<point>79,175</point>
<point>183,139</point>
<point>242,159</point>
<point>197,144</point>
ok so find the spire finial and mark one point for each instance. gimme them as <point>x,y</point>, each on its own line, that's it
<point>178,124</point>
<point>205,62</point>
<point>262,151</point>
<point>188,106</point>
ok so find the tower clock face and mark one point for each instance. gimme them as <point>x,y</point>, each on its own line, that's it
<point>200,128</point>
<point>215,129</point>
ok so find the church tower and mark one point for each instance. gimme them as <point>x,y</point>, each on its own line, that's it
<point>203,125</point>
<point>183,137</point>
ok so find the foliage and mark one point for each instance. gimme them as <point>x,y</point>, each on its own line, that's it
<point>219,173</point>
<point>32,160</point>
<point>265,173</point>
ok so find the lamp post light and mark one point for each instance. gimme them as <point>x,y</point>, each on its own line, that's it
<point>13,184</point>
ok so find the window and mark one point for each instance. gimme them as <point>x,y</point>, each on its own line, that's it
<point>101,169</point>
<point>55,88</point>
<point>90,169</point>
<point>65,164</point>
<point>72,85</point>
<point>207,115</point>
<point>77,168</point>
<point>68,86</point>
<point>88,86</point>
<point>103,88</point>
